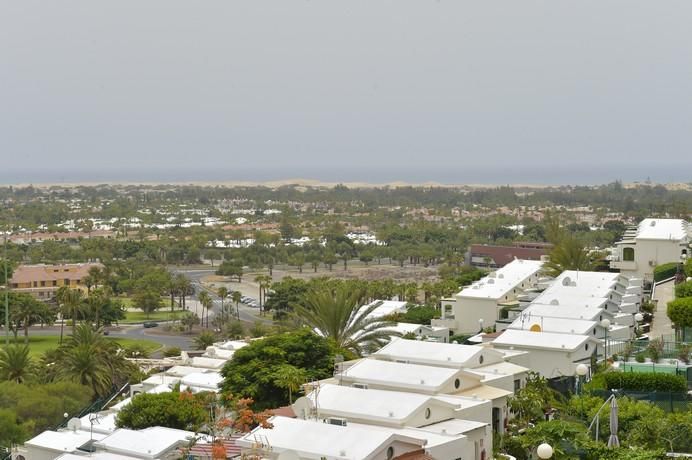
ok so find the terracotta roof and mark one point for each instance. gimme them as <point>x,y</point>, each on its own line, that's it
<point>285,411</point>
<point>502,255</point>
<point>30,273</point>
<point>414,455</point>
<point>204,451</point>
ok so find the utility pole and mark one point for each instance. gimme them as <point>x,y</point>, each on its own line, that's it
<point>7,296</point>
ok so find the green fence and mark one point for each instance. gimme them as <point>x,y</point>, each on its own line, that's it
<point>669,402</point>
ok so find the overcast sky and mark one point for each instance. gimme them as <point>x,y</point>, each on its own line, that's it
<point>349,89</point>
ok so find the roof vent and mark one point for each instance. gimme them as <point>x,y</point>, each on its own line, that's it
<point>391,414</point>
<point>422,382</point>
<point>342,453</point>
<point>491,281</point>
<point>653,223</point>
<point>554,302</point>
<point>562,346</point>
<point>566,281</point>
<point>501,276</point>
<point>449,358</point>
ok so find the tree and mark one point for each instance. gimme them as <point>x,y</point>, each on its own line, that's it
<point>252,370</point>
<point>15,363</point>
<point>204,339</point>
<point>680,312</point>
<point>183,287</point>
<point>684,289</point>
<point>206,302</point>
<point>230,268</point>
<point>222,292</point>
<point>338,315</point>
<point>147,300</point>
<point>568,254</point>
<point>329,259</point>
<point>289,377</point>
<point>237,297</point>
<point>25,311</point>
<point>69,302</point>
<point>11,430</point>
<point>179,410</point>
<point>189,320</point>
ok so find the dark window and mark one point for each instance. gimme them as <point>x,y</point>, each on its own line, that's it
<point>628,254</point>
<point>457,383</point>
<point>517,385</point>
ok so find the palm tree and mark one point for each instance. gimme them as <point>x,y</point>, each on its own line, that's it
<point>72,301</point>
<point>568,254</point>
<point>184,288</point>
<point>90,359</point>
<point>15,363</point>
<point>236,297</point>
<point>290,378</point>
<point>222,292</point>
<point>339,316</point>
<point>27,311</point>
<point>264,281</point>
<point>206,302</point>
<point>95,303</point>
<point>204,340</point>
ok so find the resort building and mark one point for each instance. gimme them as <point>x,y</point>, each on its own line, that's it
<point>42,281</point>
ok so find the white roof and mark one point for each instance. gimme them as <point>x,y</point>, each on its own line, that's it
<point>161,379</point>
<point>433,437</point>
<point>343,401</point>
<point>147,443</point>
<point>63,441</point>
<point>182,371</point>
<point>545,340</point>
<point>209,380</point>
<point>551,324</point>
<point>96,456</point>
<point>430,378</point>
<point>498,283</point>
<point>218,353</point>
<point>122,403</point>
<point>498,370</point>
<point>103,422</point>
<point>559,311</point>
<point>311,439</point>
<point>572,283</point>
<point>436,353</point>
<point>386,307</point>
<point>231,345</point>
<point>209,363</point>
<point>570,301</point>
<point>454,426</point>
<point>662,229</point>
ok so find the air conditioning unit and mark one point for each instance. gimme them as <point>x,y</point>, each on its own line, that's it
<point>362,386</point>
<point>336,421</point>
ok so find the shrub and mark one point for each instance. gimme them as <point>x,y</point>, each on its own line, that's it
<point>640,381</point>
<point>655,349</point>
<point>684,289</point>
<point>680,312</point>
<point>665,271</point>
<point>172,352</point>
<point>459,338</point>
<point>684,353</point>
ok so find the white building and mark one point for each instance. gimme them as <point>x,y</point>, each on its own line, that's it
<point>653,242</point>
<point>550,354</point>
<point>485,301</point>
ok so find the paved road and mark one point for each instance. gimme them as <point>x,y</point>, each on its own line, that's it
<point>662,325</point>
<point>247,313</point>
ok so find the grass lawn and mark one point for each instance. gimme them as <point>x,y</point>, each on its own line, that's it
<point>39,344</point>
<point>161,315</point>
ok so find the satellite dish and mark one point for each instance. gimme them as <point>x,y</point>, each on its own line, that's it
<point>74,424</point>
<point>288,455</point>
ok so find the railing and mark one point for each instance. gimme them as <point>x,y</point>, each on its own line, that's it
<point>666,400</point>
<point>96,406</point>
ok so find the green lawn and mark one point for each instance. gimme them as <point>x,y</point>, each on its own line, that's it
<point>39,344</point>
<point>161,315</point>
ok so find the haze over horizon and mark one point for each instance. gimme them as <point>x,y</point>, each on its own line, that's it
<point>364,91</point>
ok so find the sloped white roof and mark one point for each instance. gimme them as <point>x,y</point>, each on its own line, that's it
<point>103,422</point>
<point>147,443</point>
<point>386,307</point>
<point>559,311</point>
<point>572,283</point>
<point>209,380</point>
<point>63,441</point>
<point>498,370</point>
<point>551,324</point>
<point>454,426</point>
<point>311,439</point>
<point>208,363</point>
<point>231,345</point>
<point>161,379</point>
<point>182,371</point>
<point>663,229</point>
<point>436,353</point>
<point>544,340</point>
<point>498,283</point>
<point>429,378</point>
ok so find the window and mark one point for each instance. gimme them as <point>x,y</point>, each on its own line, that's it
<point>480,359</point>
<point>390,453</point>
<point>586,346</point>
<point>43,284</point>
<point>628,254</point>
<point>427,413</point>
<point>55,283</point>
<point>457,383</point>
<point>517,385</point>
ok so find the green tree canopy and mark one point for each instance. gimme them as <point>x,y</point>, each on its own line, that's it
<point>680,312</point>
<point>180,410</point>
<point>254,370</point>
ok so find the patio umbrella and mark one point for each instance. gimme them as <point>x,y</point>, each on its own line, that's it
<point>613,440</point>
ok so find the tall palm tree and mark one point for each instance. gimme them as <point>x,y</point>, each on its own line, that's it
<point>568,254</point>
<point>27,311</point>
<point>237,297</point>
<point>184,288</point>
<point>72,300</point>
<point>90,359</point>
<point>222,292</point>
<point>15,363</point>
<point>340,316</point>
<point>206,302</point>
<point>95,303</point>
<point>264,281</point>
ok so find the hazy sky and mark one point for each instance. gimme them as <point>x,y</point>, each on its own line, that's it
<point>349,89</point>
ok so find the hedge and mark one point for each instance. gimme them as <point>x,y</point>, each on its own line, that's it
<point>665,271</point>
<point>642,381</point>
<point>680,312</point>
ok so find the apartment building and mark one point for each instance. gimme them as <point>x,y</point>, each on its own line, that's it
<point>42,281</point>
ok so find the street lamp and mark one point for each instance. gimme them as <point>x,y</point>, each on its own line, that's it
<point>480,324</point>
<point>582,370</point>
<point>544,451</point>
<point>605,323</point>
<point>638,318</point>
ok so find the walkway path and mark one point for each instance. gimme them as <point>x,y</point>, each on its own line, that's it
<point>662,326</point>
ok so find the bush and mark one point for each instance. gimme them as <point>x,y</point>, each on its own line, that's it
<point>459,338</point>
<point>640,357</point>
<point>684,289</point>
<point>639,381</point>
<point>655,349</point>
<point>665,271</point>
<point>171,352</point>
<point>182,411</point>
<point>680,312</point>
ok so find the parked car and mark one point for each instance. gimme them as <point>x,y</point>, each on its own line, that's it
<point>149,324</point>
